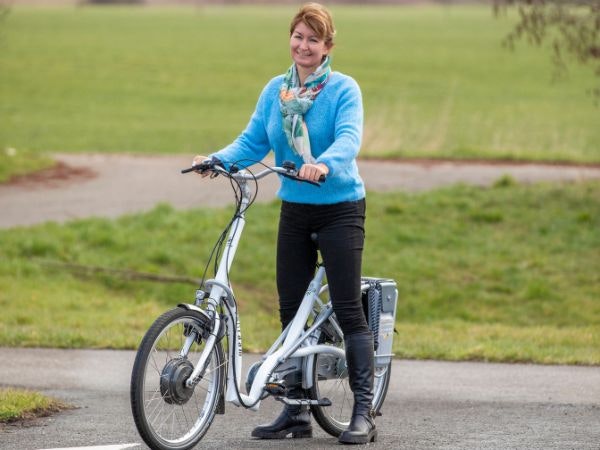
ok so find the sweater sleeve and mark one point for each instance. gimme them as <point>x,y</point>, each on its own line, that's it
<point>348,130</point>
<point>253,143</point>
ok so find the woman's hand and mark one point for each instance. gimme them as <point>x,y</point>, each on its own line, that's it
<point>198,159</point>
<point>313,172</point>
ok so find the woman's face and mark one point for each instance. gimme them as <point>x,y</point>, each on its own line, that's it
<point>306,48</point>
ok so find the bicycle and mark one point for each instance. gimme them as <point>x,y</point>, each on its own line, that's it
<point>182,375</point>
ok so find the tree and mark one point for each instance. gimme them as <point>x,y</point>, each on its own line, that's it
<point>572,27</point>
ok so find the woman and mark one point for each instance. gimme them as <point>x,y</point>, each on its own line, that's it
<point>314,117</point>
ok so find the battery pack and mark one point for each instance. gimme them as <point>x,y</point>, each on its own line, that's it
<point>379,302</point>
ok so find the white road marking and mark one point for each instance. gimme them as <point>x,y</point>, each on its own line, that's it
<point>99,447</point>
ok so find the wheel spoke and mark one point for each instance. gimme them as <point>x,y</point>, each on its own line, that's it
<point>331,381</point>
<point>170,413</point>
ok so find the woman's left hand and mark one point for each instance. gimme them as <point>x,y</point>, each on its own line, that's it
<point>313,172</point>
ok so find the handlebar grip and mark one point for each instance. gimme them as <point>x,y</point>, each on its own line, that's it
<point>198,167</point>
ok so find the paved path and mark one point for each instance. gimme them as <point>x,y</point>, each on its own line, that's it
<point>112,185</point>
<point>430,404</point>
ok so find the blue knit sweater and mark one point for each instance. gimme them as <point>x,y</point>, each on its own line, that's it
<point>334,122</point>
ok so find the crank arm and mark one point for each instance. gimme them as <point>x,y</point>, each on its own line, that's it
<point>297,401</point>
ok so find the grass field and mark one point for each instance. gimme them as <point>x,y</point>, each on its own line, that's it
<point>15,162</point>
<point>508,273</point>
<point>19,404</point>
<point>435,79</point>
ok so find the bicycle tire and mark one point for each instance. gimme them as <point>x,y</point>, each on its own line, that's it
<point>330,377</point>
<point>157,391</point>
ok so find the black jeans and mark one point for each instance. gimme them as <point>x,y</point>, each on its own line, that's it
<point>341,235</point>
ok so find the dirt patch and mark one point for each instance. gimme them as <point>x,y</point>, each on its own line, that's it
<point>31,419</point>
<point>59,175</point>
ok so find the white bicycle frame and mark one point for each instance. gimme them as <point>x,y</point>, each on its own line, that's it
<point>293,342</point>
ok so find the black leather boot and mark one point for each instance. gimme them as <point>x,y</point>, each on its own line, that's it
<point>360,362</point>
<point>294,419</point>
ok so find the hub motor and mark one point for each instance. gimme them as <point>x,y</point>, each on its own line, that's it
<point>172,381</point>
<point>331,367</point>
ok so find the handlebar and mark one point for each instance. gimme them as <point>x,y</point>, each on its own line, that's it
<point>202,167</point>
<point>287,170</point>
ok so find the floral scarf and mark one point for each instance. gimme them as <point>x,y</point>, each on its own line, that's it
<point>295,101</point>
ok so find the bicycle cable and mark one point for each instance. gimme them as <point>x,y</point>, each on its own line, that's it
<point>217,249</point>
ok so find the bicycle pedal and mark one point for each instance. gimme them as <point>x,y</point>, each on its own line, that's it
<point>298,402</point>
<point>323,402</point>
<point>275,389</point>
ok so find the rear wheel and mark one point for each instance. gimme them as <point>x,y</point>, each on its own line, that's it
<point>168,414</point>
<point>330,376</point>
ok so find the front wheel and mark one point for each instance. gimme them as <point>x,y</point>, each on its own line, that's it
<point>168,414</point>
<point>330,380</point>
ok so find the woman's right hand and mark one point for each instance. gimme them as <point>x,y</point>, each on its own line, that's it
<point>199,159</point>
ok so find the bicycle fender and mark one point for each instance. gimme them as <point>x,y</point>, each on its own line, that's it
<point>221,403</point>
<point>307,369</point>
<point>195,309</point>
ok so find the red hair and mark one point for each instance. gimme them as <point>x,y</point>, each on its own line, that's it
<point>316,17</point>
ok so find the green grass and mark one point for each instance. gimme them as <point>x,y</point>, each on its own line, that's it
<point>15,162</point>
<point>436,81</point>
<point>19,404</point>
<point>509,273</point>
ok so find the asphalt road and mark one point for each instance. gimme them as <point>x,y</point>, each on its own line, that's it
<point>430,405</point>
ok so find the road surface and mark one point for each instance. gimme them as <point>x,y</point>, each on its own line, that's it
<point>430,405</point>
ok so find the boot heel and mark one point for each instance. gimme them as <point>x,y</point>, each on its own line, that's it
<point>302,434</point>
<point>374,436</point>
